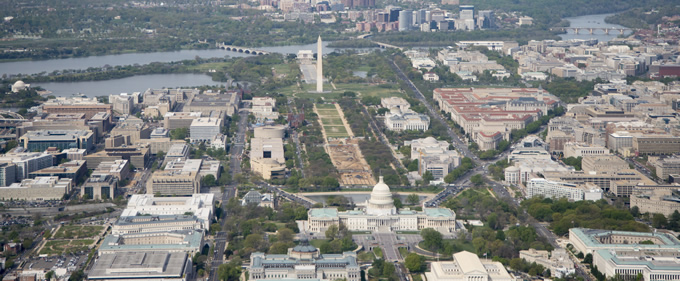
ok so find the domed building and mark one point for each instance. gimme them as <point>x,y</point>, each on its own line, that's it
<point>380,215</point>
<point>19,86</point>
<point>381,202</point>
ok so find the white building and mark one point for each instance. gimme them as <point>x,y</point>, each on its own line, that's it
<point>528,153</point>
<point>38,189</point>
<point>219,141</point>
<point>27,162</point>
<point>395,102</point>
<point>200,205</point>
<point>205,129</point>
<point>304,262</point>
<point>122,104</point>
<point>575,149</point>
<point>433,156</point>
<point>132,266</point>
<point>554,189</point>
<point>525,169</point>
<point>467,266</point>
<point>558,261</point>
<point>398,120</point>
<point>263,108</point>
<point>381,215</point>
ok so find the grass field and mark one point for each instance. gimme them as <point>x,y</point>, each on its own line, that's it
<point>65,247</point>
<point>336,131</point>
<point>385,90</point>
<point>325,106</point>
<point>77,231</point>
<point>331,120</point>
<point>378,252</point>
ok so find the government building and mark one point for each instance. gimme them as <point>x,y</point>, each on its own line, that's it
<point>304,262</point>
<point>381,215</point>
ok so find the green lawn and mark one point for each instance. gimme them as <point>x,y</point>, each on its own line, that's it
<point>318,242</point>
<point>386,90</point>
<point>335,131</point>
<point>378,252</point>
<point>78,231</point>
<point>283,69</point>
<point>325,106</point>
<point>331,120</point>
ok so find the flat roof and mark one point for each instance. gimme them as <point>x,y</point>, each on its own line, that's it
<point>191,239</point>
<point>588,237</point>
<point>133,265</point>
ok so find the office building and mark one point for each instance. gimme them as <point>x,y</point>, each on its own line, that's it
<point>656,144</point>
<point>158,223</point>
<point>180,241</point>
<point>528,153</point>
<point>61,139</point>
<point>132,265</point>
<point>556,190</point>
<point>270,132</point>
<point>263,108</point>
<point>381,215</point>
<point>123,104</point>
<point>576,149</point>
<point>220,141</point>
<point>8,173</point>
<point>99,187</point>
<point>179,151</point>
<point>200,205</point>
<point>134,127</point>
<point>629,264</point>
<point>601,179</point>
<point>525,169</point>
<point>159,133</point>
<point>27,162</point>
<point>663,200</point>
<point>137,155</point>
<point>202,167</point>
<point>467,266</point>
<point>88,106</point>
<point>119,169</point>
<point>205,129</point>
<point>666,167</point>
<point>74,170</point>
<point>587,241</point>
<point>304,262</point>
<point>38,189</point>
<point>405,20</point>
<point>208,102</point>
<point>603,163</point>
<point>433,156</point>
<point>558,261</point>
<point>176,120</point>
<point>173,183</point>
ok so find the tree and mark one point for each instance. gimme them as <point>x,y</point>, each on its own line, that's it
<point>332,232</point>
<point>415,262</point>
<point>397,202</point>
<point>285,235</point>
<point>427,177</point>
<point>49,275</point>
<point>230,271</point>
<point>659,221</point>
<point>179,134</point>
<point>432,239</point>
<point>588,259</point>
<point>477,180</point>
<point>413,199</point>
<point>254,241</point>
<point>635,211</point>
<point>209,180</point>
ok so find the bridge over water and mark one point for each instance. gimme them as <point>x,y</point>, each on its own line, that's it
<point>241,49</point>
<point>592,30</point>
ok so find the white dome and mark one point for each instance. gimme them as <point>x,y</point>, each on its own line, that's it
<point>430,140</point>
<point>381,194</point>
<point>19,83</point>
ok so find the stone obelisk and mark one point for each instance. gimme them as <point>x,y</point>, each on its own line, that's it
<point>319,66</point>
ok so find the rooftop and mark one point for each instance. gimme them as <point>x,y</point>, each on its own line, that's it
<point>132,265</point>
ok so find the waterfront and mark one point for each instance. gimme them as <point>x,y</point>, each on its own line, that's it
<point>127,85</point>
<point>594,21</point>
<point>49,66</point>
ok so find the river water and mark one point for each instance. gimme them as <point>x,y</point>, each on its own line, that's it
<point>592,21</point>
<point>38,66</point>
<point>127,85</point>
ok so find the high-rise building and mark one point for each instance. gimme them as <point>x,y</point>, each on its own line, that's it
<point>394,14</point>
<point>8,173</point>
<point>486,19</point>
<point>405,20</point>
<point>467,12</point>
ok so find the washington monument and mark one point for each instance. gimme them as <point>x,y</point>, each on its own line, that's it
<point>319,66</point>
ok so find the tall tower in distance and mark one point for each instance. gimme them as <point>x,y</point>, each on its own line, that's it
<point>319,66</point>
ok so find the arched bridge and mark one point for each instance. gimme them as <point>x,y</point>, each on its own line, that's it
<point>592,30</point>
<point>241,49</point>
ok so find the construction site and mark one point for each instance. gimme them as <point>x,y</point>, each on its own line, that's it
<point>342,147</point>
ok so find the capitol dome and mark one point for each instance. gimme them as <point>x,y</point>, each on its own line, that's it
<point>381,202</point>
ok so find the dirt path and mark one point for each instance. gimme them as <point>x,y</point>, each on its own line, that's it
<point>344,121</point>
